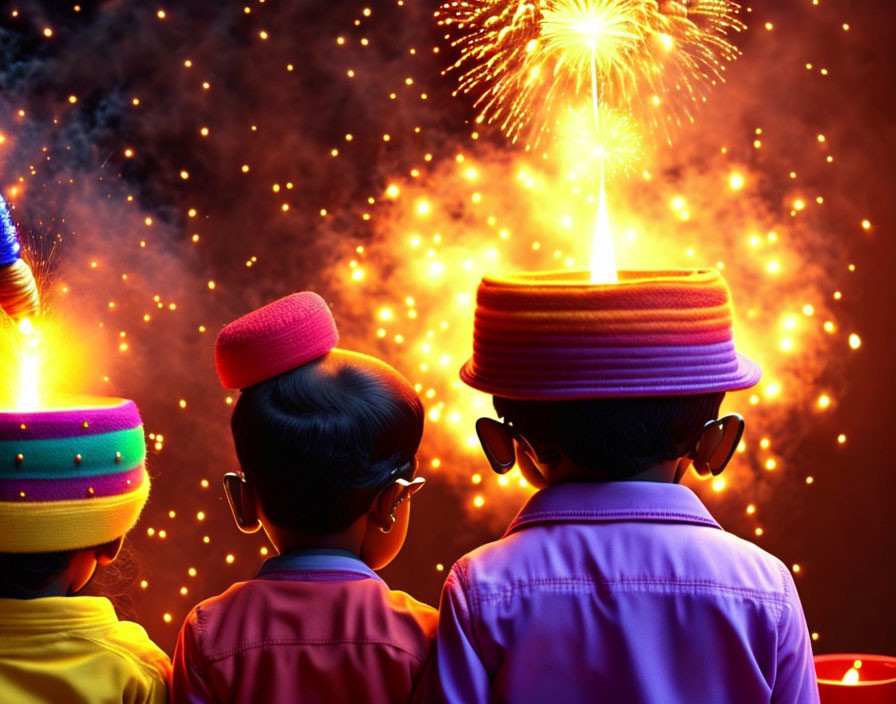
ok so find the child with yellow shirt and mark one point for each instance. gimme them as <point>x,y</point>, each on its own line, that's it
<point>72,484</point>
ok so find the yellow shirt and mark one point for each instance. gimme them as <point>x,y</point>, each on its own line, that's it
<point>74,650</point>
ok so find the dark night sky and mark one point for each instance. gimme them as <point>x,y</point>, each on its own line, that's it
<point>74,209</point>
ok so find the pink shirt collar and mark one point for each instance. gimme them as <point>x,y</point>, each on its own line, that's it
<point>613,501</point>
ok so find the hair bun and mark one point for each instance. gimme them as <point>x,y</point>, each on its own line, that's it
<point>267,342</point>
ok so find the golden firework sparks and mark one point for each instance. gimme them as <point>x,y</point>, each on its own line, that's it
<point>528,61</point>
<point>599,39</point>
<point>615,140</point>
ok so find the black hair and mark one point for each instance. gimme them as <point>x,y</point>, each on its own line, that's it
<point>23,574</point>
<point>618,437</point>
<point>320,441</point>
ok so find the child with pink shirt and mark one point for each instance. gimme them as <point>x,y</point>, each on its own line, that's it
<point>326,441</point>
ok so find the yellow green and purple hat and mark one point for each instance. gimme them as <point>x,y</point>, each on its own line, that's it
<point>71,477</point>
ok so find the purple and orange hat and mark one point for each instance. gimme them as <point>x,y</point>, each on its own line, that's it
<point>555,336</point>
<point>71,477</point>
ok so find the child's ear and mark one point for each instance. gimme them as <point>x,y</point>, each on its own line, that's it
<point>107,552</point>
<point>717,444</point>
<point>241,497</point>
<point>383,508</point>
<point>680,469</point>
<point>701,463</point>
<point>529,471</point>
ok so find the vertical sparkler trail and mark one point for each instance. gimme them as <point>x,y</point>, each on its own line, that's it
<point>603,259</point>
<point>28,397</point>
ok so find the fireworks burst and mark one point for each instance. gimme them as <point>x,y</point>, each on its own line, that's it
<point>529,61</point>
<point>616,140</point>
<point>596,38</point>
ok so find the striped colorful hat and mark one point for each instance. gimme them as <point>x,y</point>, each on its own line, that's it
<point>555,336</point>
<point>71,477</point>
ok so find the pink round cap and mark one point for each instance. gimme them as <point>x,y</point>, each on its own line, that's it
<point>267,342</point>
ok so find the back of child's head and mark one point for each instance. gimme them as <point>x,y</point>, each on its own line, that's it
<point>321,440</point>
<point>72,478</point>
<point>319,431</point>
<point>620,377</point>
<point>619,437</point>
<point>22,575</point>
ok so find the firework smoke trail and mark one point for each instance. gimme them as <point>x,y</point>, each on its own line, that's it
<point>526,61</point>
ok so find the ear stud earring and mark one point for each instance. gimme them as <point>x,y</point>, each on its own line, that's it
<point>414,486</point>
<point>392,524</point>
<point>392,513</point>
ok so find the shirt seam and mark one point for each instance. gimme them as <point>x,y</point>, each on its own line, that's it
<point>196,633</point>
<point>30,627</point>
<point>778,631</point>
<point>607,586</point>
<point>782,571</point>
<point>214,658</point>
<point>553,514</point>
<point>124,654</point>
<point>471,599</point>
<point>65,629</point>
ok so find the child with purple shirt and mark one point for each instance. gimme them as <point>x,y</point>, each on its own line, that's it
<point>614,583</point>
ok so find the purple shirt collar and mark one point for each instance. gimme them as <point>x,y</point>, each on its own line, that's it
<point>318,560</point>
<point>613,501</point>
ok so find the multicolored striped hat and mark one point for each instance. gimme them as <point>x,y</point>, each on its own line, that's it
<point>555,336</point>
<point>71,477</point>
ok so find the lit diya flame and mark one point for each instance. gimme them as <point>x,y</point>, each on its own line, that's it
<point>41,357</point>
<point>869,679</point>
<point>851,676</point>
<point>613,140</point>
